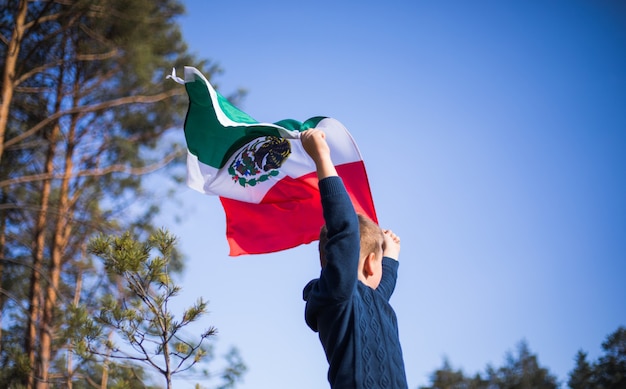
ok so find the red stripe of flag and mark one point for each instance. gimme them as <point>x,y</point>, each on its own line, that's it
<point>290,214</point>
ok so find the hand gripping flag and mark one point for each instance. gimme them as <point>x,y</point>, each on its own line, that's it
<point>266,182</point>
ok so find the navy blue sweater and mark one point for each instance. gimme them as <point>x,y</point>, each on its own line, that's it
<point>357,327</point>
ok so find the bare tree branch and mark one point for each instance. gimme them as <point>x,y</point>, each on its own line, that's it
<point>97,172</point>
<point>94,108</point>
<point>98,56</point>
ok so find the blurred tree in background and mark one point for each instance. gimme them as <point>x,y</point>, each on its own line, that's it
<point>84,117</point>
<point>608,372</point>
<point>522,371</point>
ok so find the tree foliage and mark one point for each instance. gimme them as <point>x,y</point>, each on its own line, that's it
<point>143,318</point>
<point>608,372</point>
<point>522,371</point>
<point>84,117</point>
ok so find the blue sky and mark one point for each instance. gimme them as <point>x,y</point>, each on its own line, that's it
<point>494,136</point>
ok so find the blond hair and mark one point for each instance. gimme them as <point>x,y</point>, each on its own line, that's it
<point>371,237</point>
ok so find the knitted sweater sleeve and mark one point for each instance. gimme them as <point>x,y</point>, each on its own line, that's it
<point>388,280</point>
<point>338,278</point>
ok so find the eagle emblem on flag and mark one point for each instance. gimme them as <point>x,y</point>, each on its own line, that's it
<point>259,160</point>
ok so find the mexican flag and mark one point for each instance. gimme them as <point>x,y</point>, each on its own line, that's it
<point>265,180</point>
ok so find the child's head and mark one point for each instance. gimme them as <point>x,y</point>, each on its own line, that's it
<point>371,250</point>
<point>371,255</point>
<point>372,238</point>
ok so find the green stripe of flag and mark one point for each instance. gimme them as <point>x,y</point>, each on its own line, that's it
<point>213,141</point>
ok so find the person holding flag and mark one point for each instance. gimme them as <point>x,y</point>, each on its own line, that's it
<point>279,183</point>
<point>348,305</point>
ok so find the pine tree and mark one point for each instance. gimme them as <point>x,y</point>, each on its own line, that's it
<point>84,118</point>
<point>582,375</point>
<point>521,371</point>
<point>610,370</point>
<point>143,318</point>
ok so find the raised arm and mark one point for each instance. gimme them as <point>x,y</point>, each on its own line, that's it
<point>339,276</point>
<point>391,252</point>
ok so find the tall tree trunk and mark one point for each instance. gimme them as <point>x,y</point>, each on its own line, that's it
<point>34,309</point>
<point>62,231</point>
<point>70,348</point>
<point>8,77</point>
<point>2,245</point>
<point>35,313</point>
